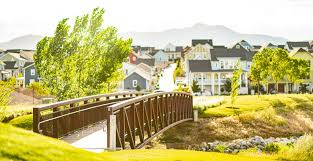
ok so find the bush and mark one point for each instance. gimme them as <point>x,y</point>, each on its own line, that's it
<point>39,89</point>
<point>219,148</point>
<point>302,150</point>
<point>271,148</point>
<point>25,122</point>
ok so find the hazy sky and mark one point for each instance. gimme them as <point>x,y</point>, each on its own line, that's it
<point>292,19</point>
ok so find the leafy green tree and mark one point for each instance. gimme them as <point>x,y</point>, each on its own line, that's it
<point>195,87</point>
<point>297,70</point>
<point>259,71</point>
<point>6,88</point>
<point>235,84</point>
<point>83,59</point>
<point>227,85</point>
<point>278,65</point>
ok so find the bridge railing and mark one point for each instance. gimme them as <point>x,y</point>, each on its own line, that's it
<point>133,123</point>
<point>61,118</point>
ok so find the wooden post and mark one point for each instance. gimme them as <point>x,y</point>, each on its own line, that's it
<point>36,119</point>
<point>111,132</point>
<point>195,115</point>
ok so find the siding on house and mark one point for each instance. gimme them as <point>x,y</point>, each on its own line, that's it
<point>27,75</point>
<point>128,82</point>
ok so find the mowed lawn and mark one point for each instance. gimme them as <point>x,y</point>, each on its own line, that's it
<point>254,103</point>
<point>18,144</point>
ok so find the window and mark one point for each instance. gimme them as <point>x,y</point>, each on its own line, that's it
<point>32,72</point>
<point>135,83</point>
<point>222,65</point>
<point>134,58</point>
<point>237,46</point>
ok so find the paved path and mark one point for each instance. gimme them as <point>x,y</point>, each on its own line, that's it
<point>92,138</point>
<point>166,82</point>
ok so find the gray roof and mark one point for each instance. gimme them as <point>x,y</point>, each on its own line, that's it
<point>242,53</point>
<point>299,44</point>
<point>199,65</point>
<point>10,65</point>
<point>149,62</point>
<point>28,64</point>
<point>257,46</point>
<point>195,42</point>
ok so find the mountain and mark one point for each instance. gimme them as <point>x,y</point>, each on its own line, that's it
<point>23,42</point>
<point>221,35</point>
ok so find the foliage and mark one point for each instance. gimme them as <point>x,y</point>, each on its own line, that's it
<point>271,148</point>
<point>235,83</point>
<point>6,88</point>
<point>182,88</point>
<point>302,150</point>
<point>25,122</point>
<point>178,72</point>
<point>219,148</point>
<point>278,65</point>
<point>138,88</point>
<point>81,60</point>
<point>303,88</point>
<point>227,85</point>
<point>195,87</point>
<point>39,89</point>
<point>259,71</point>
<point>297,70</point>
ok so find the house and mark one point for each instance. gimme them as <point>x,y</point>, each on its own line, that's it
<point>212,65</point>
<point>11,69</point>
<point>243,44</point>
<point>149,61</point>
<point>128,68</point>
<point>296,45</point>
<point>161,59</point>
<point>173,52</point>
<point>29,74</point>
<point>16,57</point>
<point>2,72</point>
<point>137,78</point>
<point>145,68</point>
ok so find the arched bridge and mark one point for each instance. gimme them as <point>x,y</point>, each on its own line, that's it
<point>130,119</point>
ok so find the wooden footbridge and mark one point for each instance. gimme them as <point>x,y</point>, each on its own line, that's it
<point>130,120</point>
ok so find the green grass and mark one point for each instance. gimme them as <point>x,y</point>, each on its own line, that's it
<point>246,103</point>
<point>25,122</point>
<point>20,145</point>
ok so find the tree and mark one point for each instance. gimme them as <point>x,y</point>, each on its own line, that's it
<point>227,85</point>
<point>6,88</point>
<point>278,65</point>
<point>81,60</point>
<point>195,87</point>
<point>259,71</point>
<point>297,69</point>
<point>235,83</point>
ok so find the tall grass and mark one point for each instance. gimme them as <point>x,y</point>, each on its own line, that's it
<point>302,150</point>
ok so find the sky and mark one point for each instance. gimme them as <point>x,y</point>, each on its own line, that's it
<point>292,19</point>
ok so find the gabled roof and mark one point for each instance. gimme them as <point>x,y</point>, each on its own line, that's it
<point>242,53</point>
<point>299,44</point>
<point>298,50</point>
<point>27,64</point>
<point>195,42</point>
<point>219,47</point>
<point>142,73</point>
<point>149,61</point>
<point>257,46</point>
<point>281,46</point>
<point>144,67</point>
<point>15,55</point>
<point>199,65</point>
<point>10,65</point>
<point>152,53</point>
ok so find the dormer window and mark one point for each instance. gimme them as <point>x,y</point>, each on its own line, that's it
<point>237,46</point>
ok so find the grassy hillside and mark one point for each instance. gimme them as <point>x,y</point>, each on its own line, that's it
<point>21,145</point>
<point>266,116</point>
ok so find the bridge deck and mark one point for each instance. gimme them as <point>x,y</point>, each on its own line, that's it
<point>93,138</point>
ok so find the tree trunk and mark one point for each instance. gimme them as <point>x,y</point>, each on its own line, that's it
<point>276,87</point>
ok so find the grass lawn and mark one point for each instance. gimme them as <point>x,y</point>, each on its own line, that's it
<point>248,103</point>
<point>18,144</point>
<point>25,122</point>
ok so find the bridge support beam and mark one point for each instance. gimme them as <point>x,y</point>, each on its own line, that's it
<point>195,115</point>
<point>111,132</point>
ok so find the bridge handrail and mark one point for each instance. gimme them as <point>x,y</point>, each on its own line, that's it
<point>140,98</point>
<point>86,98</point>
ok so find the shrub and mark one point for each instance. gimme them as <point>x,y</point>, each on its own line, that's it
<point>271,148</point>
<point>39,89</point>
<point>277,103</point>
<point>270,117</point>
<point>302,150</point>
<point>219,148</point>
